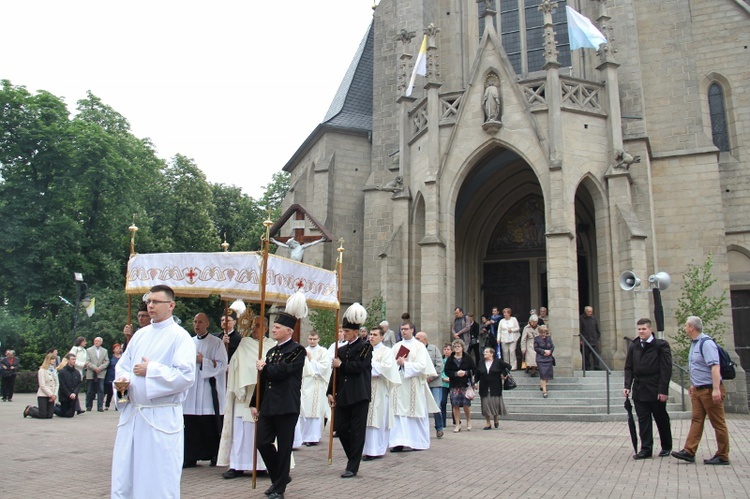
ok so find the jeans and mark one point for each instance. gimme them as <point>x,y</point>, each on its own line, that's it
<point>94,389</point>
<point>444,402</point>
<point>437,394</point>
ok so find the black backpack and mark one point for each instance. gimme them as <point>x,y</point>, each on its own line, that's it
<point>726,366</point>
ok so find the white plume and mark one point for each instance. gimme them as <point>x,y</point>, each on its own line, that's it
<point>297,305</point>
<point>238,306</point>
<point>356,314</point>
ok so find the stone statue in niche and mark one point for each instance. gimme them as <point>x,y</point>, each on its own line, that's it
<point>492,104</point>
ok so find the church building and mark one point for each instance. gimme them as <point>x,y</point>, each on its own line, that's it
<point>521,173</point>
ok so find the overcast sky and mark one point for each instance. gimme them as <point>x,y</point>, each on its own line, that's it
<point>235,85</point>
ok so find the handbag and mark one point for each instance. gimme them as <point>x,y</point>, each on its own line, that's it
<point>509,383</point>
<point>469,395</point>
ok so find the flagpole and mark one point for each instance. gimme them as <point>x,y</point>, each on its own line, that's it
<point>267,223</point>
<point>339,266</point>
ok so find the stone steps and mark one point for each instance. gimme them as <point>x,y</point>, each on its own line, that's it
<point>570,398</point>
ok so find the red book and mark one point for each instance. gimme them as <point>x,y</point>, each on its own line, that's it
<point>403,352</point>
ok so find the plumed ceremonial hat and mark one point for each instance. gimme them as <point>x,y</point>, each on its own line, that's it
<point>354,316</point>
<point>296,308</point>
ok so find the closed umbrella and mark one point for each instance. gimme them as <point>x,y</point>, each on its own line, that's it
<point>631,424</point>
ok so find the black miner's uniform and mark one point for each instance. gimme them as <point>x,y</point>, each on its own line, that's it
<point>353,391</point>
<point>280,385</point>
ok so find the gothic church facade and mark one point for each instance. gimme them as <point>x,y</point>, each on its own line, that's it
<point>520,173</point>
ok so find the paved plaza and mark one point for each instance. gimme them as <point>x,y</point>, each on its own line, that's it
<point>552,459</point>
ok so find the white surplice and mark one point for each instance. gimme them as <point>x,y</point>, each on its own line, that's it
<point>148,451</point>
<point>199,400</point>
<point>314,403</point>
<point>385,377</point>
<point>412,400</point>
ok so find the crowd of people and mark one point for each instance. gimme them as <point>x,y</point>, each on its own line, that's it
<point>192,398</point>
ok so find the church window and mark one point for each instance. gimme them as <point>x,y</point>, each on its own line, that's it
<point>719,130</point>
<point>522,33</point>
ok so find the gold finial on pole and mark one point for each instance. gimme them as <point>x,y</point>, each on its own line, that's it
<point>341,249</point>
<point>225,244</point>
<point>133,229</point>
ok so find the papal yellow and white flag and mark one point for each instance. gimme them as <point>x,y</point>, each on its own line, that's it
<point>420,67</point>
<point>91,308</point>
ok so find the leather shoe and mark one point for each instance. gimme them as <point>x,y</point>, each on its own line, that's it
<point>269,491</point>
<point>232,473</point>
<point>275,495</point>
<point>684,456</point>
<point>398,448</point>
<point>367,458</point>
<point>348,474</point>
<point>717,461</point>
<point>642,455</point>
<point>665,452</point>
<point>189,464</point>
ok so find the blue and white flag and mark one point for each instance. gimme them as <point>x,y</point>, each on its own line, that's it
<point>581,31</point>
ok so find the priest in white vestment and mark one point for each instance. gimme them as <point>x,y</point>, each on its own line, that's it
<point>314,404</point>
<point>203,409</point>
<point>159,364</point>
<point>385,377</point>
<point>238,435</point>
<point>413,402</point>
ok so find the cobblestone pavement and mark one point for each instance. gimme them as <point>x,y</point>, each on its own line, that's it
<point>520,459</point>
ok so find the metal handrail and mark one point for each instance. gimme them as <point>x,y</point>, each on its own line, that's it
<point>599,357</point>
<point>683,372</point>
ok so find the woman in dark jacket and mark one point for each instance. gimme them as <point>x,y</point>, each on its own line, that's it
<point>544,347</point>
<point>459,368</point>
<point>109,378</point>
<point>489,379</point>
<point>9,371</point>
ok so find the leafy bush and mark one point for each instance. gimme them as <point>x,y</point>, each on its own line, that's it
<point>27,382</point>
<point>695,300</point>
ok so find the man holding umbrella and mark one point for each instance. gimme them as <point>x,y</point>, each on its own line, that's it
<point>648,369</point>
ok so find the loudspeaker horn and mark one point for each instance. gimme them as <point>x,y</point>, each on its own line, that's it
<point>629,281</point>
<point>660,280</point>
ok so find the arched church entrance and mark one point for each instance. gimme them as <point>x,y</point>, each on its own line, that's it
<point>501,252</point>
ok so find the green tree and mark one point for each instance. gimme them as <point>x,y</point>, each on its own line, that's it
<point>696,299</point>
<point>237,216</point>
<point>324,322</point>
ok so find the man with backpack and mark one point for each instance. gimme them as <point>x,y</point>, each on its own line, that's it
<point>707,395</point>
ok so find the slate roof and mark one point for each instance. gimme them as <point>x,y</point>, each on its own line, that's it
<point>352,104</point>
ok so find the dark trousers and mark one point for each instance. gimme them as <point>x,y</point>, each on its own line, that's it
<point>8,387</point>
<point>202,435</point>
<point>108,393</point>
<point>657,410</point>
<point>351,423</point>
<point>443,404</point>
<point>45,409</point>
<point>475,348</point>
<point>94,389</point>
<point>590,362</point>
<point>277,459</point>
<point>66,409</point>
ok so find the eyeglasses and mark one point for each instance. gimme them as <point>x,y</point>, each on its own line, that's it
<point>156,302</point>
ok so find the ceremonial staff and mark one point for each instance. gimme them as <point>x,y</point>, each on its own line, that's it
<point>339,266</point>
<point>267,223</point>
<point>133,229</point>
<point>225,247</point>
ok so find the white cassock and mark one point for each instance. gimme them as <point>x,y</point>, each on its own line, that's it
<point>332,349</point>
<point>202,421</point>
<point>238,434</point>
<point>412,400</point>
<point>314,406</point>
<point>379,416</point>
<point>148,452</point>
